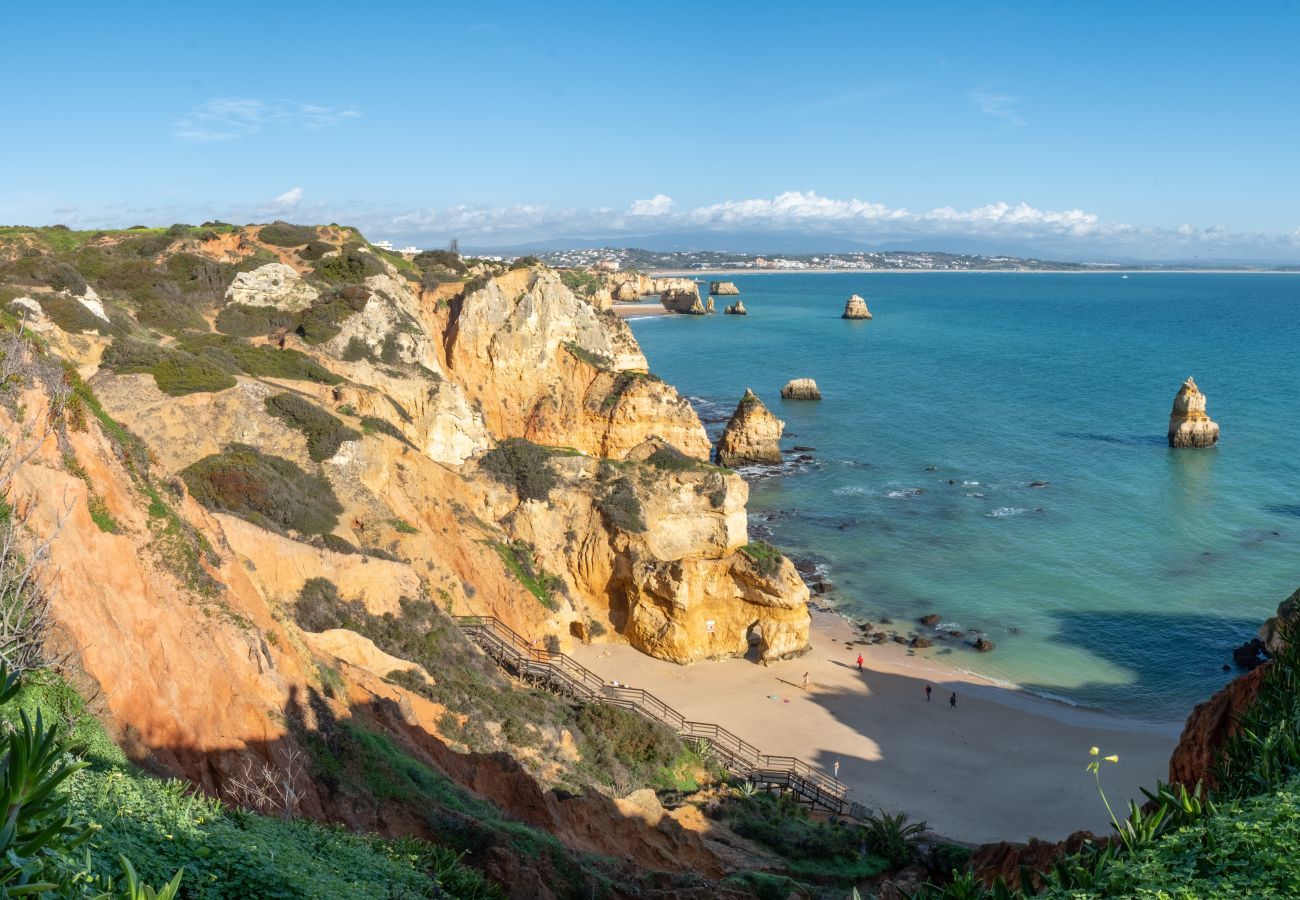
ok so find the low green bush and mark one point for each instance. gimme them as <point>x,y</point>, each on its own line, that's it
<point>282,234</point>
<point>324,320</point>
<point>834,851</point>
<point>324,432</point>
<point>239,320</point>
<point>71,315</point>
<point>260,361</point>
<point>523,465</point>
<point>63,277</point>
<point>519,559</point>
<point>349,267</point>
<point>621,508</point>
<point>374,425</point>
<point>582,283</point>
<point>179,374</point>
<point>265,489</point>
<point>765,557</point>
<point>315,250</point>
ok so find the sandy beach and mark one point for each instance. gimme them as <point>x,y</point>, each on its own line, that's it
<point>1002,765</point>
<point>650,307</point>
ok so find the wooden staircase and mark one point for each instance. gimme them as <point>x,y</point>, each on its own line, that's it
<point>563,675</point>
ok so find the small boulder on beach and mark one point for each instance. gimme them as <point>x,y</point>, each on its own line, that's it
<point>982,644</point>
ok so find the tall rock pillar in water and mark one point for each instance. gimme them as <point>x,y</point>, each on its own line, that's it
<point>1189,426</point>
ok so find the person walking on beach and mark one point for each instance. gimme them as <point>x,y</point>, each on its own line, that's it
<point>805,681</point>
<point>927,693</point>
<point>859,662</point>
<point>952,701</point>
<point>837,770</point>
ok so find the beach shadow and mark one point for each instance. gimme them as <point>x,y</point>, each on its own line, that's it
<point>798,687</point>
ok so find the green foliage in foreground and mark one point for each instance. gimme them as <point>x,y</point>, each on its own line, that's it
<point>209,363</point>
<point>163,829</point>
<point>523,465</point>
<point>519,559</point>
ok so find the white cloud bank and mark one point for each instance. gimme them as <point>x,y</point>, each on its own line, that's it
<point>231,118</point>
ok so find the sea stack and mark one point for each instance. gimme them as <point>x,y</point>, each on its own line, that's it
<point>801,389</point>
<point>736,309</point>
<point>1189,426</point>
<point>752,436</point>
<point>723,288</point>
<point>856,308</point>
<point>683,300</point>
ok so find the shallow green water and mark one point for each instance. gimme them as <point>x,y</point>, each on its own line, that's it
<point>1125,582</point>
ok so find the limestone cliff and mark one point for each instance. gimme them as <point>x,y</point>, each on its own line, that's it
<point>752,435</point>
<point>1189,426</point>
<point>723,288</point>
<point>684,300</point>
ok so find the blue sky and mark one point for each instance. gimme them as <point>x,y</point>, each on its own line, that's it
<point>1106,129</point>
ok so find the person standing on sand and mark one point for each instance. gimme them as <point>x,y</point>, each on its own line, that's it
<point>859,662</point>
<point>805,681</point>
<point>952,701</point>
<point>837,770</point>
<point>927,693</point>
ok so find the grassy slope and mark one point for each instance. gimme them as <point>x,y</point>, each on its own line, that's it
<point>227,852</point>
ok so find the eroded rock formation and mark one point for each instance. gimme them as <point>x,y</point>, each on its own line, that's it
<point>752,435</point>
<point>736,309</point>
<point>683,300</point>
<point>801,389</point>
<point>723,288</point>
<point>1189,426</point>
<point>856,308</point>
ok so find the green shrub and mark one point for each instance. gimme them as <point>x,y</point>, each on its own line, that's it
<point>315,250</point>
<point>584,284</point>
<point>146,246</point>
<point>179,374</point>
<point>263,489</point>
<point>525,262</point>
<point>324,320</point>
<point>519,559</point>
<point>349,267</point>
<point>239,320</point>
<point>373,425</point>
<point>669,459</point>
<point>595,360</point>
<point>260,361</point>
<point>198,276</point>
<point>282,234</point>
<point>445,259</point>
<point>324,433</point>
<point>621,508</point>
<point>71,315</point>
<point>523,465</point>
<point>63,277</point>
<point>765,557</point>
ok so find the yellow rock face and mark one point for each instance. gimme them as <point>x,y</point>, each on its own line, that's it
<point>1189,425</point>
<point>752,436</point>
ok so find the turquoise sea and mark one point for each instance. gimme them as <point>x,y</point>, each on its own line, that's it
<point>1128,579</point>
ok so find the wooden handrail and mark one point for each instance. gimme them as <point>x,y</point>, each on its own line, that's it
<point>564,674</point>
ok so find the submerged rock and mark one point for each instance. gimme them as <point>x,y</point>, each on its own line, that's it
<point>982,644</point>
<point>723,288</point>
<point>931,620</point>
<point>801,389</point>
<point>1189,426</point>
<point>753,435</point>
<point>856,308</point>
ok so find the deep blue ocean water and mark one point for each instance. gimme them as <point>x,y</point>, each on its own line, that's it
<point>1125,582</point>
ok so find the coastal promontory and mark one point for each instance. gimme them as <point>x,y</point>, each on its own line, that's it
<point>856,308</point>
<point>1189,425</point>
<point>752,435</point>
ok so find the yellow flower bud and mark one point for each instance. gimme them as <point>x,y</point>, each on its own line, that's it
<point>1093,752</point>
<point>1113,759</point>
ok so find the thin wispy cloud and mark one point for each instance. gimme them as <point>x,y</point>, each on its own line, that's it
<point>996,104</point>
<point>231,118</point>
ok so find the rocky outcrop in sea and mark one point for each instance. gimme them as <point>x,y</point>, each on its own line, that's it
<point>1189,425</point>
<point>801,389</point>
<point>683,300</point>
<point>856,308</point>
<point>752,436</point>
<point>736,309</point>
<point>723,288</point>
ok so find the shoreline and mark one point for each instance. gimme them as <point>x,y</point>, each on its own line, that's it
<point>824,270</point>
<point>642,310</point>
<point>1005,764</point>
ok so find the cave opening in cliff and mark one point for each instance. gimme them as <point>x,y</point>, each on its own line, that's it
<point>754,642</point>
